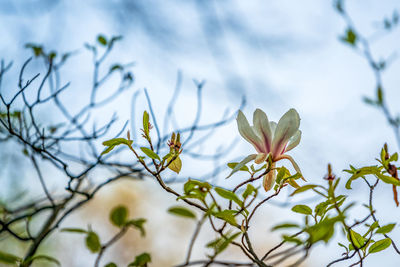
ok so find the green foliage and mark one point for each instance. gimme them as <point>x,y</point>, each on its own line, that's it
<point>102,39</point>
<point>42,257</point>
<point>146,124</point>
<point>228,195</point>
<point>370,170</point>
<point>228,216</point>
<point>8,258</point>
<point>182,211</point>
<point>304,188</point>
<point>175,165</point>
<point>74,230</point>
<point>241,164</point>
<point>285,226</point>
<point>115,142</point>
<point>350,37</point>
<point>221,243</point>
<point>356,239</point>
<point>380,245</point>
<point>195,189</point>
<point>141,260</point>
<point>232,165</point>
<point>139,224</point>
<point>250,190</point>
<point>111,264</point>
<point>93,242</point>
<point>323,230</point>
<point>150,153</point>
<point>385,229</point>
<point>303,209</point>
<point>119,215</point>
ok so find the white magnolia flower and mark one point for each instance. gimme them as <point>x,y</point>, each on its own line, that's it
<point>271,138</point>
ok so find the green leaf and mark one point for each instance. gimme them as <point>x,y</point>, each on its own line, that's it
<point>285,226</point>
<point>93,242</point>
<point>220,244</point>
<point>74,230</point>
<point>110,264</point>
<point>139,224</point>
<point>228,216</point>
<point>394,157</point>
<point>357,239</point>
<point>182,211</point>
<point>250,189</point>
<point>228,195</point>
<point>388,179</point>
<point>386,228</point>
<point>43,257</point>
<point>119,215</point>
<point>292,239</point>
<point>146,127</point>
<point>117,141</point>
<point>380,245</point>
<point>176,165</point>
<point>303,209</point>
<point>232,165</point>
<point>361,172</point>
<point>141,260</point>
<point>107,150</point>
<point>304,188</point>
<point>102,40</point>
<point>150,153</point>
<point>242,163</point>
<point>350,37</point>
<point>9,258</point>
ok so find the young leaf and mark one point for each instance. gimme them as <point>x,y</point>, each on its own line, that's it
<point>228,195</point>
<point>284,226</point>
<point>386,228</point>
<point>182,211</point>
<point>141,260</point>
<point>242,163</point>
<point>228,216</point>
<point>42,257</point>
<point>102,40</point>
<point>146,127</point>
<point>356,239</point>
<point>151,154</point>
<point>138,223</point>
<point>74,230</point>
<point>110,264</point>
<point>232,165</point>
<point>380,245</point>
<point>9,258</point>
<point>119,215</point>
<point>250,189</point>
<point>303,209</point>
<point>304,188</point>
<point>176,165</point>
<point>93,242</point>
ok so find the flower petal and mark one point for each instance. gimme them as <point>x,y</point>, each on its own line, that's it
<point>286,128</point>
<point>261,124</point>
<point>294,141</point>
<point>269,179</point>
<point>247,132</point>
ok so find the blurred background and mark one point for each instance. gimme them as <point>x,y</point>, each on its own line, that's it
<point>276,54</point>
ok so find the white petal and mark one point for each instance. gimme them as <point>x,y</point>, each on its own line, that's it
<point>286,128</point>
<point>247,132</point>
<point>261,124</point>
<point>294,141</point>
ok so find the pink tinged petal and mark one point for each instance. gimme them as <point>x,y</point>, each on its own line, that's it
<point>262,126</point>
<point>269,179</point>
<point>247,132</point>
<point>294,141</point>
<point>286,128</point>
